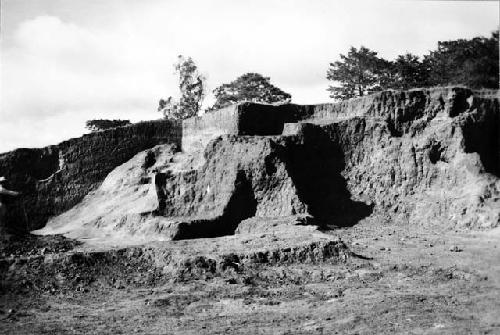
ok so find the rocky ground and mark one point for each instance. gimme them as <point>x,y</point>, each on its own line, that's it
<point>381,278</point>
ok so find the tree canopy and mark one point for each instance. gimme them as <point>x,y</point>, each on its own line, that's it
<point>96,125</point>
<point>192,89</point>
<point>249,87</point>
<point>358,73</point>
<point>408,72</point>
<point>473,63</point>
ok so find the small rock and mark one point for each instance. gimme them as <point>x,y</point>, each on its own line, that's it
<point>119,286</point>
<point>455,248</point>
<point>355,243</point>
<point>231,281</point>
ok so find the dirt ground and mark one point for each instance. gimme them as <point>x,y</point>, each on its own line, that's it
<point>408,280</point>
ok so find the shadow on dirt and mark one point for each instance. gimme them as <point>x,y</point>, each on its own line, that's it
<point>315,166</point>
<point>481,130</point>
<point>242,205</point>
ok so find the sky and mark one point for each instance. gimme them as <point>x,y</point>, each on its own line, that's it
<point>67,61</point>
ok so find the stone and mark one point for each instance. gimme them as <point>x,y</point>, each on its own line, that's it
<point>455,248</point>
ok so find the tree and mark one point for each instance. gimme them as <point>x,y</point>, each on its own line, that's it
<point>409,72</point>
<point>473,62</point>
<point>96,125</point>
<point>249,87</point>
<point>192,89</point>
<point>360,72</point>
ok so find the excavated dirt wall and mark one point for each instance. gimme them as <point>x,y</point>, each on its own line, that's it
<point>400,109</point>
<point>55,178</point>
<point>246,118</point>
<point>421,156</point>
<point>260,176</point>
<point>242,177</point>
<point>427,157</point>
<point>440,168</point>
<point>199,130</point>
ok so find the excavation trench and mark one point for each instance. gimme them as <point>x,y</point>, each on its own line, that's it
<point>241,205</point>
<point>263,177</point>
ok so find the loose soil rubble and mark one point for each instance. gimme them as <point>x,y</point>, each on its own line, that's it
<point>380,278</point>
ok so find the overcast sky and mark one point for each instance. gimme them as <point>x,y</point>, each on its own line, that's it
<point>67,61</point>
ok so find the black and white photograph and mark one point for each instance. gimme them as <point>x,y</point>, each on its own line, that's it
<point>249,167</point>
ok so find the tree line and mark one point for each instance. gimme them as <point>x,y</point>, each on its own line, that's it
<point>469,62</point>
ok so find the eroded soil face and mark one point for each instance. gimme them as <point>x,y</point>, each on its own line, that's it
<point>409,280</point>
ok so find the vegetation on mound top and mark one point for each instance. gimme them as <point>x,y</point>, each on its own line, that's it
<point>473,63</point>
<point>96,125</point>
<point>192,89</point>
<point>249,87</point>
<point>469,62</point>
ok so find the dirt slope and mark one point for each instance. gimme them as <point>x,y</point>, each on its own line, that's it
<point>104,215</point>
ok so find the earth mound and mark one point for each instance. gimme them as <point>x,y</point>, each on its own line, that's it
<point>229,228</point>
<point>426,157</point>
